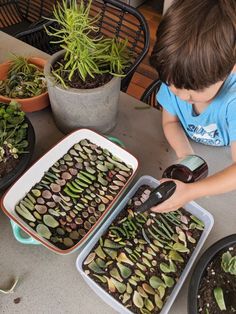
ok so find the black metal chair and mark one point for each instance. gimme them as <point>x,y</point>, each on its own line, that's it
<point>116,19</point>
<point>149,95</point>
<point>17,16</point>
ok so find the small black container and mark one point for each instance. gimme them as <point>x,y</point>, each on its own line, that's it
<point>25,159</point>
<point>200,268</point>
<point>190,169</point>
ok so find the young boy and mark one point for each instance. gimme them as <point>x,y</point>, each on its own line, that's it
<point>195,56</point>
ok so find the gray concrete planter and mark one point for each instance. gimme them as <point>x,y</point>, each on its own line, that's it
<point>72,108</point>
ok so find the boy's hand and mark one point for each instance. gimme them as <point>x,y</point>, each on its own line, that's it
<point>181,196</point>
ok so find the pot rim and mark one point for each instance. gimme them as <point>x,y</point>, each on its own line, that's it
<point>201,266</point>
<point>50,77</point>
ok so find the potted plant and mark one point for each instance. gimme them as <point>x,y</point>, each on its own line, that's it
<point>22,80</point>
<point>84,78</point>
<point>17,141</point>
<point>212,287</point>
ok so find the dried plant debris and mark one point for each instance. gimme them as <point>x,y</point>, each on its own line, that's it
<point>11,289</point>
<point>141,257</point>
<point>74,193</point>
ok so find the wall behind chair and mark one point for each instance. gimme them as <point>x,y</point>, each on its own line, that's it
<point>134,3</point>
<point>167,3</point>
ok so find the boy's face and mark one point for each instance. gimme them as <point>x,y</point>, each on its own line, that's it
<point>204,96</point>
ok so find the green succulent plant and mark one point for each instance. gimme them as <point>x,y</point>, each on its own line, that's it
<point>228,263</point>
<point>24,79</point>
<point>87,52</point>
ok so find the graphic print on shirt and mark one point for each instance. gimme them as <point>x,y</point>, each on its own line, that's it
<point>208,135</point>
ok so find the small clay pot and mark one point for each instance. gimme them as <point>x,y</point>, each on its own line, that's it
<point>32,104</point>
<point>24,161</point>
<point>200,268</point>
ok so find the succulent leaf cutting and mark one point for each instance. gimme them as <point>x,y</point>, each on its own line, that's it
<point>141,256</point>
<point>74,194</point>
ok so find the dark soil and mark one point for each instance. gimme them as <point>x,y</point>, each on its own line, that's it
<point>8,166</point>
<point>77,82</point>
<point>213,277</point>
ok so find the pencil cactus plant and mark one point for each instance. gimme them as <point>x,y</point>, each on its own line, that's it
<point>87,53</point>
<point>84,78</point>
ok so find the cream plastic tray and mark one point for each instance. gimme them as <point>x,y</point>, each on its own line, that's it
<point>192,208</point>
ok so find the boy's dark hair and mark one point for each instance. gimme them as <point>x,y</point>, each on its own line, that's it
<point>196,43</point>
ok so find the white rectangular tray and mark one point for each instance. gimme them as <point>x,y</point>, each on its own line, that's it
<point>34,174</point>
<point>192,208</point>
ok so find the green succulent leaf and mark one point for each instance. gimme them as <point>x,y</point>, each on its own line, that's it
<point>228,263</point>
<point>219,297</point>
<point>138,300</point>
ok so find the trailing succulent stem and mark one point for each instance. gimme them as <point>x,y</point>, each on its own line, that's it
<point>24,80</point>
<point>87,53</point>
<point>13,131</point>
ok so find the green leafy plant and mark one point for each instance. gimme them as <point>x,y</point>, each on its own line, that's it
<point>13,131</point>
<point>87,52</point>
<point>24,80</point>
<point>228,263</point>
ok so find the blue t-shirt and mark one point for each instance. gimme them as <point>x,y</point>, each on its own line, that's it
<point>216,125</point>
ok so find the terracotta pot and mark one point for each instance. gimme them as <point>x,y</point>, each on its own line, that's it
<point>27,104</point>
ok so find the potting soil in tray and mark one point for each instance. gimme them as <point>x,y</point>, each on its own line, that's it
<point>73,194</point>
<point>142,255</point>
<point>216,277</point>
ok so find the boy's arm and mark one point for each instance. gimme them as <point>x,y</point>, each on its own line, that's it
<point>175,135</point>
<point>221,182</point>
